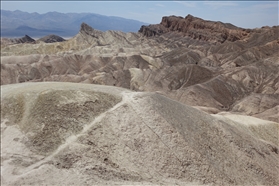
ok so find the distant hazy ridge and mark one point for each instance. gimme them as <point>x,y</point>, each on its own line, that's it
<point>18,23</point>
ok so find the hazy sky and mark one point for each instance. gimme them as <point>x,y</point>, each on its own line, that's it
<point>246,14</point>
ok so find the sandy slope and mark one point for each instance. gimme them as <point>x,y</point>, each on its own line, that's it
<point>77,134</point>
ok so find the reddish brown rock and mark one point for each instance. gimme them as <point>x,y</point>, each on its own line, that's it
<point>196,28</point>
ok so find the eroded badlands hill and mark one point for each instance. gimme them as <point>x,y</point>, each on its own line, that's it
<point>211,65</point>
<point>79,134</point>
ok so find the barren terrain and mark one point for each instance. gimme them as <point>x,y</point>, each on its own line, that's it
<point>186,101</point>
<point>66,133</point>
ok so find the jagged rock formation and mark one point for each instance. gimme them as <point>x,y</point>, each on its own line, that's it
<point>25,39</point>
<point>51,39</point>
<point>76,134</point>
<point>196,28</point>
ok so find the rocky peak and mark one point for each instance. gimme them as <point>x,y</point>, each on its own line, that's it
<point>88,30</point>
<point>196,28</point>
<point>85,28</point>
<point>189,16</point>
<point>25,39</point>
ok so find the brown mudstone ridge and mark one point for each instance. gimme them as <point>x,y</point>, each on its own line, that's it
<point>196,28</point>
<point>153,30</point>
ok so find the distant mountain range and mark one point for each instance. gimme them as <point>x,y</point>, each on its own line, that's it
<point>18,23</point>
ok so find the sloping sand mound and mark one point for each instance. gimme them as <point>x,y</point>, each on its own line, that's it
<point>78,134</point>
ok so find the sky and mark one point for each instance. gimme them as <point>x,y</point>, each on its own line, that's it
<point>245,14</point>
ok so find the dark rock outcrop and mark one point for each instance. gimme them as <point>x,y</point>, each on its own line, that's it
<point>52,39</point>
<point>25,39</point>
